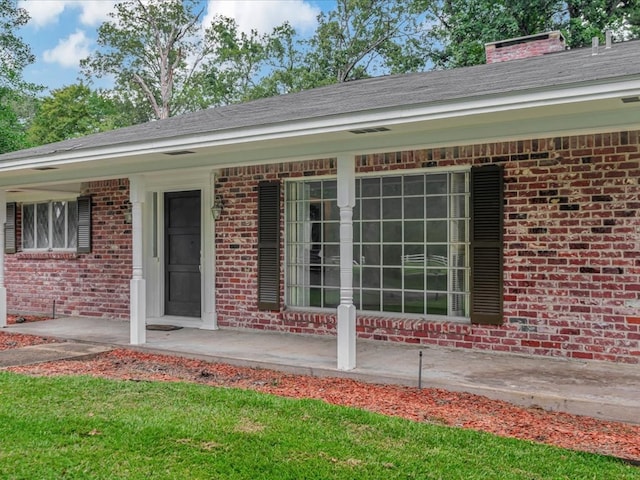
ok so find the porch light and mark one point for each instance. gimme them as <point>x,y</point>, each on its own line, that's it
<point>128,215</point>
<point>216,209</point>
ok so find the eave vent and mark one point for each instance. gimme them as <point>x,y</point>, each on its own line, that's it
<point>630,99</point>
<point>360,131</point>
<point>43,169</point>
<point>180,152</point>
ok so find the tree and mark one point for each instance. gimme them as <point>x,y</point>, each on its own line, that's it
<point>360,38</point>
<point>357,39</point>
<point>237,61</point>
<point>464,26</point>
<point>155,50</point>
<point>74,111</point>
<point>15,55</point>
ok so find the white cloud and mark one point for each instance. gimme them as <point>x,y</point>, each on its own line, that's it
<point>43,12</point>
<point>46,12</point>
<point>69,51</point>
<point>95,12</point>
<point>264,15</point>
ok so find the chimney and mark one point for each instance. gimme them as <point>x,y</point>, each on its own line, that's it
<point>524,47</point>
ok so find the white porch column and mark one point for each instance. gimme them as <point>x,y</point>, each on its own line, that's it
<point>3,290</point>
<point>209,316</point>
<point>138,292</point>
<point>346,309</point>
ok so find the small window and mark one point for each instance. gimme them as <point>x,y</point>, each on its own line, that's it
<point>50,225</point>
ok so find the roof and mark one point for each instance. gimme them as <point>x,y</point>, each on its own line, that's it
<point>548,72</point>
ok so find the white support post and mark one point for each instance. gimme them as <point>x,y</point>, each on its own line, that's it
<point>3,290</point>
<point>209,317</point>
<point>138,297</point>
<point>346,310</point>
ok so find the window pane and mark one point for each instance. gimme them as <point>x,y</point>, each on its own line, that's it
<point>413,232</point>
<point>370,300</point>
<point>331,232</point>
<point>371,232</point>
<point>437,304</point>
<point>371,277</point>
<point>414,207</point>
<point>392,186</point>
<point>391,208</point>
<point>42,225</point>
<point>392,255</point>
<point>370,187</point>
<point>414,302</point>
<point>392,232</point>
<point>392,278</point>
<point>436,184</point>
<point>72,224</point>
<point>371,254</point>
<point>414,185</point>
<point>392,301</point>
<point>58,224</point>
<point>437,207</point>
<point>414,276</point>
<point>371,209</point>
<point>437,231</point>
<point>28,235</point>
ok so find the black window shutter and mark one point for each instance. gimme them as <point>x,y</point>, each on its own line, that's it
<point>487,200</point>
<point>269,245</point>
<point>84,225</point>
<point>10,229</point>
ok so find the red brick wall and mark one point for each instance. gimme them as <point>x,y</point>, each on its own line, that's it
<point>94,284</point>
<point>572,249</point>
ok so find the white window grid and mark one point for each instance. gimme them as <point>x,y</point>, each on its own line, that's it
<point>50,226</point>
<point>427,277</point>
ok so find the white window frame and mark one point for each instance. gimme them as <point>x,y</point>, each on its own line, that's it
<point>298,245</point>
<point>69,247</point>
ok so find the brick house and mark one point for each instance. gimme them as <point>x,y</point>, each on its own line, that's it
<point>493,207</point>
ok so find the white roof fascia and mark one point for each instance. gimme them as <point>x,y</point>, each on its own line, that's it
<point>336,123</point>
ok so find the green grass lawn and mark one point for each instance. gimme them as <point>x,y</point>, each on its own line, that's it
<point>84,428</point>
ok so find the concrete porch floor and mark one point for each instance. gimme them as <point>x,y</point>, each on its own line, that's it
<point>597,389</point>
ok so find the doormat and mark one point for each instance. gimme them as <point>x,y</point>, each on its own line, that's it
<point>163,328</point>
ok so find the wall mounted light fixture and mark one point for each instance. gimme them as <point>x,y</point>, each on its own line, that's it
<point>216,208</point>
<point>128,216</point>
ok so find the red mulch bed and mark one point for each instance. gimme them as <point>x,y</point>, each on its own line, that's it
<point>427,405</point>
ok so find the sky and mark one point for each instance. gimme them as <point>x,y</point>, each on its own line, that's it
<point>62,32</point>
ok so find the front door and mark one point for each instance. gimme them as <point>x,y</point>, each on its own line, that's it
<point>182,253</point>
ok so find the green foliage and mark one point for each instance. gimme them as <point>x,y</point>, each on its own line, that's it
<point>74,111</point>
<point>464,26</point>
<point>357,39</point>
<point>13,135</point>
<point>80,427</point>
<point>14,53</point>
<point>362,38</point>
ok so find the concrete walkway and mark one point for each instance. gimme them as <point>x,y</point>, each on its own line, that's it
<point>50,352</point>
<point>597,389</point>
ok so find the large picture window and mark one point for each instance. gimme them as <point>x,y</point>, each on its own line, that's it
<point>50,225</point>
<point>410,244</point>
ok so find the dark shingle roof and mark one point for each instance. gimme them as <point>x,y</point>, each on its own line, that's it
<point>546,72</point>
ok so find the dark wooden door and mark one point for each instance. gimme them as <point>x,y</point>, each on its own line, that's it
<point>182,253</point>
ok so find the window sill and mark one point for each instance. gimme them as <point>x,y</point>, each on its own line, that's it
<point>46,255</point>
<point>298,311</point>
